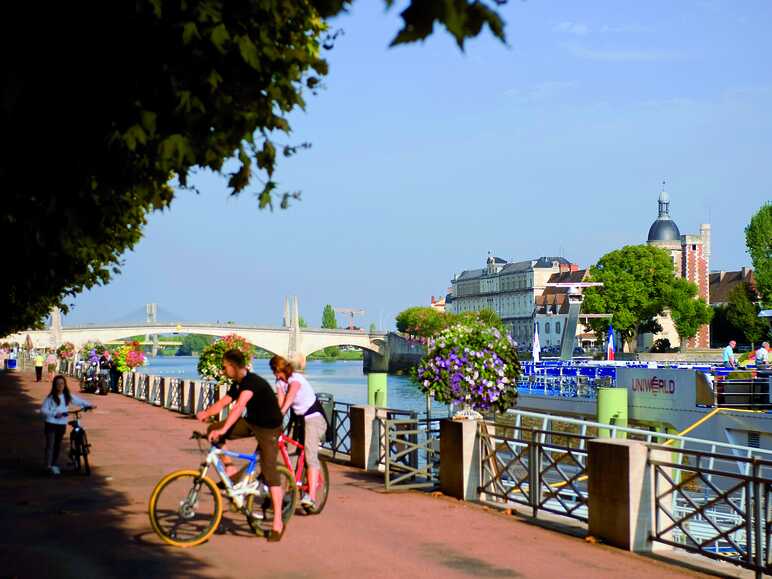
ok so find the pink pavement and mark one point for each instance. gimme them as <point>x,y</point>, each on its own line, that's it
<point>74,526</point>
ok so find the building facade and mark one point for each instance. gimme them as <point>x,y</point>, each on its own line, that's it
<point>551,313</point>
<point>509,288</point>
<point>691,260</point>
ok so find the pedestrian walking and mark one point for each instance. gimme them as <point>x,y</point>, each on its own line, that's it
<point>39,366</point>
<point>50,365</point>
<point>54,411</point>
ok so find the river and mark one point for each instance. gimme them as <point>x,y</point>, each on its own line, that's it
<point>343,379</point>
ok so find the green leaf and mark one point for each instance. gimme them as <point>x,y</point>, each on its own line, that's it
<point>135,134</point>
<point>189,31</point>
<point>248,51</point>
<point>219,37</point>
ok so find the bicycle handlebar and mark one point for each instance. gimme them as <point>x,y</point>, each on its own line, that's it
<point>84,409</point>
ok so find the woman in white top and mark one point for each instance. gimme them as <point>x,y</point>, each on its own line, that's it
<point>54,411</point>
<point>294,391</point>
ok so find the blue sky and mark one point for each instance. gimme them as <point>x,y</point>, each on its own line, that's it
<point>424,158</point>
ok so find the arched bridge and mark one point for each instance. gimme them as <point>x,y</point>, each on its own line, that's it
<point>284,340</point>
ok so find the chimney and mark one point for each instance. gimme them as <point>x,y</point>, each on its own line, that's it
<point>705,234</point>
<point>433,300</point>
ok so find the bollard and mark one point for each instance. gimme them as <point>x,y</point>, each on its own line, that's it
<point>365,438</point>
<point>621,493</point>
<point>377,389</point>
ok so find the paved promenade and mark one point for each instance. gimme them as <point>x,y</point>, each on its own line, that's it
<point>79,527</point>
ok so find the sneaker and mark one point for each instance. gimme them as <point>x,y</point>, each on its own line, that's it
<point>56,470</point>
<point>307,502</point>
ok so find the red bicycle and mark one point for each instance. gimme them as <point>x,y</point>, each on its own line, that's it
<point>300,472</point>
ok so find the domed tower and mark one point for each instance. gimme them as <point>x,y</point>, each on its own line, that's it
<point>664,231</point>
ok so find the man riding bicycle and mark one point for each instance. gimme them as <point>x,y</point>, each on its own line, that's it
<point>263,420</point>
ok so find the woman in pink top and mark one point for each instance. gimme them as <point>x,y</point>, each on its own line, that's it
<point>51,364</point>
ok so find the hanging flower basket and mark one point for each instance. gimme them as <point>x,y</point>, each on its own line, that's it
<point>210,365</point>
<point>472,365</point>
<point>66,351</point>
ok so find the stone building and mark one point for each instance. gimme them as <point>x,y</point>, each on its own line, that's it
<point>691,260</point>
<point>509,288</point>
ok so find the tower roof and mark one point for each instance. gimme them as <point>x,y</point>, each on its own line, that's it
<point>664,228</point>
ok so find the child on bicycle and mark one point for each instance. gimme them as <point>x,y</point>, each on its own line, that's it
<point>54,411</point>
<point>294,391</point>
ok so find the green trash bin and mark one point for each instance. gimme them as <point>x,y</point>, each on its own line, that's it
<point>327,401</point>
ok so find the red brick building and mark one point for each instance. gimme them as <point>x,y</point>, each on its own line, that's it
<point>691,260</point>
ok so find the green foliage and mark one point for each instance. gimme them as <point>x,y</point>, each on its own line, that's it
<point>637,279</point>
<point>329,321</point>
<point>302,322</point>
<point>193,343</point>
<point>661,346</point>
<point>687,310</point>
<point>742,315</point>
<point>721,331</point>
<point>421,321</point>
<point>332,351</point>
<point>758,239</point>
<point>200,84</point>
<point>373,328</point>
<point>426,321</point>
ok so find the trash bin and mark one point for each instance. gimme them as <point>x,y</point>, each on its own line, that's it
<point>327,401</point>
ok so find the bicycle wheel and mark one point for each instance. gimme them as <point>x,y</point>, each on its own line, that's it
<point>185,508</point>
<point>263,508</point>
<point>75,454</point>
<point>322,489</point>
<point>84,454</point>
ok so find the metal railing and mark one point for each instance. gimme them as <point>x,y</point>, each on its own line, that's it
<point>590,429</point>
<point>411,453</point>
<point>340,423</point>
<point>541,469</point>
<point>705,504</point>
<point>751,393</point>
<point>385,447</point>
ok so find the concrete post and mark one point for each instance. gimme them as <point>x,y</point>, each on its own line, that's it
<point>378,389</point>
<point>197,387</point>
<point>460,459</point>
<point>621,493</point>
<point>222,390</point>
<point>365,437</point>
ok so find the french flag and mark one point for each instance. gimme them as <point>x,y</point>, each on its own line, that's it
<point>610,346</point>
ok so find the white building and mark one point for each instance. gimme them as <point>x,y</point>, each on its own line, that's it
<point>508,288</point>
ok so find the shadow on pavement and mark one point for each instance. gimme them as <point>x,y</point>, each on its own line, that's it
<point>68,526</point>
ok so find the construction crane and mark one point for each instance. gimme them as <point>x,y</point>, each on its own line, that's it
<point>350,312</point>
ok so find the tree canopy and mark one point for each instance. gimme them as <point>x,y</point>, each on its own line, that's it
<point>758,239</point>
<point>426,321</point>
<point>742,315</point>
<point>688,311</point>
<point>329,320</point>
<point>639,285</point>
<point>636,279</point>
<point>131,97</point>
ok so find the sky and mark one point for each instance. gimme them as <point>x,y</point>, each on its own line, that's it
<point>424,158</point>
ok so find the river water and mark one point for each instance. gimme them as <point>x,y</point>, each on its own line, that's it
<point>343,379</point>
